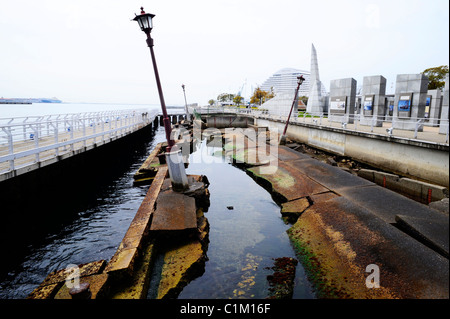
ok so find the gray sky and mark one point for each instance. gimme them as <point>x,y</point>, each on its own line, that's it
<point>90,51</point>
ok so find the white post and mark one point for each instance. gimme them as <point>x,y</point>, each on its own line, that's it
<point>177,171</point>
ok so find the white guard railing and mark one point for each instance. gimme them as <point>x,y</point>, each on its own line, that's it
<point>424,129</point>
<point>28,140</point>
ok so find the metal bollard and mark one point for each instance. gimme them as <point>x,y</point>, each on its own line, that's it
<point>81,292</point>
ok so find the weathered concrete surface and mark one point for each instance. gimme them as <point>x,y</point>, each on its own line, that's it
<point>122,263</point>
<point>431,230</point>
<point>348,227</point>
<point>54,281</point>
<point>386,204</point>
<point>338,239</point>
<point>331,177</point>
<point>441,206</point>
<point>247,147</point>
<point>147,172</point>
<point>137,287</point>
<point>288,183</point>
<point>174,212</point>
<point>182,263</point>
<point>293,209</point>
<point>97,287</point>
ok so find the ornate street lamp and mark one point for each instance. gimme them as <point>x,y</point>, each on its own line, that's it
<point>300,80</point>
<point>146,24</point>
<point>173,156</point>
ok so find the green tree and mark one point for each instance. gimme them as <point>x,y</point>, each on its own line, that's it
<point>211,102</point>
<point>261,96</point>
<point>436,76</point>
<point>238,99</point>
<point>304,99</point>
<point>224,97</point>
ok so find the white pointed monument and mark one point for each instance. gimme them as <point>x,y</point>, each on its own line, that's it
<point>316,100</point>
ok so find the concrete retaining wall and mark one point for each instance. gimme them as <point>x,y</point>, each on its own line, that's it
<point>417,190</point>
<point>225,120</point>
<point>423,160</point>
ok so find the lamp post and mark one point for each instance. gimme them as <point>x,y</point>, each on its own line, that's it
<point>188,116</point>
<point>300,80</point>
<point>174,159</point>
<point>146,24</point>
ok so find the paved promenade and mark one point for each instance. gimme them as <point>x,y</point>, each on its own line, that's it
<point>429,133</point>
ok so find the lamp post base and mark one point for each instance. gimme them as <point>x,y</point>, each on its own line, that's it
<point>283,139</point>
<point>177,171</point>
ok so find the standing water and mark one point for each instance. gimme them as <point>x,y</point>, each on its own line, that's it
<point>246,234</point>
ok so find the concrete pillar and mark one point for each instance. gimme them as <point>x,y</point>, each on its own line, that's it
<point>443,125</point>
<point>410,100</point>
<point>342,100</point>
<point>373,100</point>
<point>433,107</point>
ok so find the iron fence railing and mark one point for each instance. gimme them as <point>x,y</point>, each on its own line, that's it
<point>28,140</point>
<point>424,129</point>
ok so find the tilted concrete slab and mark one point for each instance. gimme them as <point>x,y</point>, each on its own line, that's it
<point>174,212</point>
<point>329,176</point>
<point>289,182</point>
<point>385,203</point>
<point>338,239</point>
<point>431,230</point>
<point>286,154</point>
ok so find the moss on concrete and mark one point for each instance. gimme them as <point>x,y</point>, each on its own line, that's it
<point>330,260</point>
<point>137,287</point>
<point>181,264</point>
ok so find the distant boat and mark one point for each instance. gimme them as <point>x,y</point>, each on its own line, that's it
<point>52,100</point>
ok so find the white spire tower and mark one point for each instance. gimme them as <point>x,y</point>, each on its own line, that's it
<point>316,100</point>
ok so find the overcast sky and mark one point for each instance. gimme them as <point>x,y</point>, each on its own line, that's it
<point>90,51</point>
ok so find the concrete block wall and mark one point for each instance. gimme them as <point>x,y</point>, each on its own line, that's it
<point>443,125</point>
<point>435,107</point>
<point>417,85</point>
<point>340,88</point>
<point>373,86</point>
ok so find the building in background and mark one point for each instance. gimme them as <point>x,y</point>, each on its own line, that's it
<point>285,81</point>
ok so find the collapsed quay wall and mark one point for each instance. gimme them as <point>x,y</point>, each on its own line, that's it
<point>426,161</point>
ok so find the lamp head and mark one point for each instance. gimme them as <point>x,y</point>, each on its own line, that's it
<point>145,21</point>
